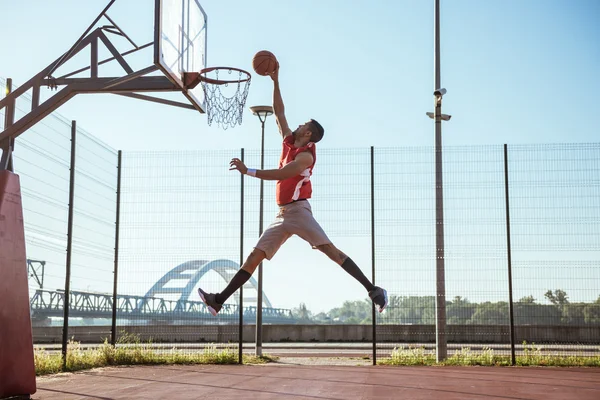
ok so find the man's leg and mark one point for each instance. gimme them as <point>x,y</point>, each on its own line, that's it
<point>214,301</point>
<point>377,294</point>
<point>268,244</point>
<point>242,275</point>
<point>347,264</point>
<point>308,228</point>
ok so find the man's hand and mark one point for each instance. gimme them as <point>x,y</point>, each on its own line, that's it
<point>275,74</point>
<point>278,108</point>
<point>236,163</point>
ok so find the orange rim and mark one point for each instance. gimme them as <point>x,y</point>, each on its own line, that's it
<point>206,79</point>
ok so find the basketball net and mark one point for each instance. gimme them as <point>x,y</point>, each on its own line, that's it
<point>225,95</point>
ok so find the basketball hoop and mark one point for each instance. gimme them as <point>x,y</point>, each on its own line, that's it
<point>224,95</point>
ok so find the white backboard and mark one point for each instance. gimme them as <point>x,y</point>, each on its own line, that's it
<point>180,43</point>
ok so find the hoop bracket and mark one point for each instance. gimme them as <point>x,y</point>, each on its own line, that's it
<point>191,79</point>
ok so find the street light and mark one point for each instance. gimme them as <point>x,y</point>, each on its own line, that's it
<point>438,117</point>
<point>262,112</point>
<point>444,117</point>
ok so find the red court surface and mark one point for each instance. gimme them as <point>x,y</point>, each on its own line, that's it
<point>289,381</point>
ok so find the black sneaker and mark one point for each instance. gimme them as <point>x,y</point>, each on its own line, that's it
<point>210,301</point>
<point>379,297</point>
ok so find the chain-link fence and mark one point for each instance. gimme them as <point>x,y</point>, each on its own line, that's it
<point>180,230</point>
<point>44,158</point>
<point>93,238</point>
<point>552,211</point>
<point>404,182</point>
<point>185,221</point>
<point>555,240</point>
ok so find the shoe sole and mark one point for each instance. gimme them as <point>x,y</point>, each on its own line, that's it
<point>210,309</point>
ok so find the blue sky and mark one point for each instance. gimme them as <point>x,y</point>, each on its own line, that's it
<point>516,72</point>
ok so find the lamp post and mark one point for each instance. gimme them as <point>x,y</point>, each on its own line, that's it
<point>440,280</point>
<point>262,112</point>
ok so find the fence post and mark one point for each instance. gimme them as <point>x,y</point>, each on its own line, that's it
<point>6,161</point>
<point>510,289</point>
<point>9,114</point>
<point>241,302</point>
<point>113,332</point>
<point>373,314</point>
<point>65,333</point>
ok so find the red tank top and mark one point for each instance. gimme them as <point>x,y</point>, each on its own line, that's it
<point>299,186</point>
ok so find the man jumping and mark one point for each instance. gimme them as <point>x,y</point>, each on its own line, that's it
<point>295,217</point>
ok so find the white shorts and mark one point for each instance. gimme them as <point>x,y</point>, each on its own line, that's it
<point>293,219</point>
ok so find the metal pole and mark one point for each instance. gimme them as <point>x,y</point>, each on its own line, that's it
<point>94,58</point>
<point>258,350</point>
<point>10,108</point>
<point>113,332</point>
<point>67,55</point>
<point>510,289</point>
<point>241,302</point>
<point>7,146</point>
<point>65,335</point>
<point>373,314</point>
<point>440,300</point>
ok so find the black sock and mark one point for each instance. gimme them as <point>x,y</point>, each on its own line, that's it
<point>351,268</point>
<point>236,282</point>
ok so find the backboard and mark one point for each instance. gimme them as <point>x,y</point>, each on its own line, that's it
<point>180,43</point>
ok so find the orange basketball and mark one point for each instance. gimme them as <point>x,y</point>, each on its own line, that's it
<point>264,63</point>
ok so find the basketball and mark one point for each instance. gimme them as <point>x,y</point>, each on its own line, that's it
<point>264,63</point>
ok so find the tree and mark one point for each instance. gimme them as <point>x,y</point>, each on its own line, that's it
<point>410,310</point>
<point>459,311</point>
<point>302,314</point>
<point>322,318</point>
<point>420,310</point>
<point>352,312</point>
<point>536,314</point>
<point>573,313</point>
<point>558,298</point>
<point>591,313</point>
<point>527,300</point>
<point>491,313</point>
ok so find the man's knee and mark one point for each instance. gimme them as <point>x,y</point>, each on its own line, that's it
<point>326,248</point>
<point>333,252</point>
<point>255,258</point>
<point>258,253</point>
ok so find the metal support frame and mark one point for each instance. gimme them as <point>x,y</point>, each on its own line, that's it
<point>262,112</point>
<point>113,332</point>
<point>440,298</point>
<point>157,100</point>
<point>126,85</point>
<point>241,302</point>
<point>35,273</point>
<point>72,51</point>
<point>259,300</point>
<point>7,144</point>
<point>65,333</point>
<point>509,259</point>
<point>373,313</point>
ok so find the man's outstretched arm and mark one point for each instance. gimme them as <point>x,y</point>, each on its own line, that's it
<point>278,108</point>
<point>294,168</point>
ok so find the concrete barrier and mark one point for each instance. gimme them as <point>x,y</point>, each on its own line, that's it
<point>328,333</point>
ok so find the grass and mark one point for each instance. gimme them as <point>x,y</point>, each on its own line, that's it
<point>131,351</point>
<point>532,356</point>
